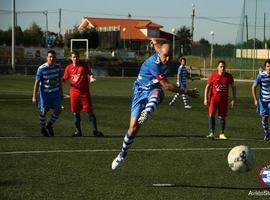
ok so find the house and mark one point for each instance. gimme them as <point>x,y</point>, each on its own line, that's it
<point>124,33</point>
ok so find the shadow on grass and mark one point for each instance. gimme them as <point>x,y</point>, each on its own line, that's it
<point>9,183</point>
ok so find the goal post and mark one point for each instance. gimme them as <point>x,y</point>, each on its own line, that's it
<point>80,40</point>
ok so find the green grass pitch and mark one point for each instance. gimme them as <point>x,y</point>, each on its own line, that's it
<point>171,148</point>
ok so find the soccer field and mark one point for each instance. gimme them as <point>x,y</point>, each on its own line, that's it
<point>171,148</point>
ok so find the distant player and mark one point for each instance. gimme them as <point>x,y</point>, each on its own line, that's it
<point>263,104</point>
<point>216,96</point>
<point>80,76</point>
<point>181,81</point>
<point>148,93</point>
<point>48,85</point>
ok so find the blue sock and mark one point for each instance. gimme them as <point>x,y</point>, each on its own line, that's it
<point>222,124</point>
<point>42,119</point>
<point>265,126</point>
<point>152,103</point>
<point>212,124</point>
<point>93,119</point>
<point>54,117</point>
<point>77,121</point>
<point>128,140</point>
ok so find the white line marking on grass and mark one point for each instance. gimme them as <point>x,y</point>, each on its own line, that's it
<point>163,185</point>
<point>116,150</point>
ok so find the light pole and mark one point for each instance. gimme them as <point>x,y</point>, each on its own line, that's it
<point>173,32</point>
<point>212,49</point>
<point>124,30</point>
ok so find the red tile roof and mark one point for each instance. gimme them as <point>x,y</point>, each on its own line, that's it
<point>129,28</point>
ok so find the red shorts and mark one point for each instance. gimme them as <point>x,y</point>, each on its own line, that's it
<point>80,101</point>
<point>218,105</point>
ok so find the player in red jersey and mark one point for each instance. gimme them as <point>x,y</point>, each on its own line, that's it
<point>79,76</point>
<point>216,95</point>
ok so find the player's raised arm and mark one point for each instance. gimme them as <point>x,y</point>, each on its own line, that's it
<point>173,88</point>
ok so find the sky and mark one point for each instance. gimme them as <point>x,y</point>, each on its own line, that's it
<point>170,14</point>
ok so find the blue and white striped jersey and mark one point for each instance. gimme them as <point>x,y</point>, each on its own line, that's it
<point>182,76</point>
<point>49,77</point>
<point>263,79</point>
<point>151,72</point>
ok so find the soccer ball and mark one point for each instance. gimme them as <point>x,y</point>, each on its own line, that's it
<point>241,158</point>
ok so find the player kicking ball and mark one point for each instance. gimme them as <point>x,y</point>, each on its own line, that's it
<point>263,104</point>
<point>80,76</point>
<point>216,95</point>
<point>148,93</point>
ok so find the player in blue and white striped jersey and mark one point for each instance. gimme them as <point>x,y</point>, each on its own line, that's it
<point>47,93</point>
<point>263,104</point>
<point>148,93</point>
<point>181,82</point>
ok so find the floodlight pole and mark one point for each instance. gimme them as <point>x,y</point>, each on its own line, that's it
<point>13,42</point>
<point>173,32</point>
<point>212,48</point>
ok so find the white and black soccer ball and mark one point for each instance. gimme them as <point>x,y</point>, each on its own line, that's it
<point>241,158</point>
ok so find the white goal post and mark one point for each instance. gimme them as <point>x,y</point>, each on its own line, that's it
<point>80,40</point>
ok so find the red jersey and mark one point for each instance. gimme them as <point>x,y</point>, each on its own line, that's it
<point>78,76</point>
<point>220,85</point>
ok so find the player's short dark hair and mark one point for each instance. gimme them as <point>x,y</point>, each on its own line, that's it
<point>52,52</point>
<point>222,61</point>
<point>74,52</point>
<point>267,61</point>
<point>182,58</point>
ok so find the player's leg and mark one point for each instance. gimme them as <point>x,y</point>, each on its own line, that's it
<point>265,127</point>
<point>55,104</point>
<point>222,113</point>
<point>42,122</point>
<point>75,108</point>
<point>173,101</point>
<point>77,123</point>
<point>156,96</point>
<point>87,106</point>
<point>42,105</point>
<point>263,108</point>
<point>139,100</point>
<point>127,142</point>
<point>186,101</point>
<point>212,120</point>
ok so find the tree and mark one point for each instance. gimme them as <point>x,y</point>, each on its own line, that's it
<point>33,36</point>
<point>184,39</point>
<point>89,33</point>
<point>203,41</point>
<point>6,36</point>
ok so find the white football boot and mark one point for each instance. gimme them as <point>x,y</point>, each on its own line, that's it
<point>117,162</point>
<point>144,116</point>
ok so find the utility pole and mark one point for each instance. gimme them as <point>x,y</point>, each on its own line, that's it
<point>46,16</point>
<point>192,22</point>
<point>247,27</point>
<point>264,39</point>
<point>59,25</point>
<point>13,42</point>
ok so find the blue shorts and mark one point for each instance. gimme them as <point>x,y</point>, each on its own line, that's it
<point>140,99</point>
<point>49,101</point>
<point>263,108</point>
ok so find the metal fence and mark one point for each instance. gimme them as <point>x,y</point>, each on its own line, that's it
<point>121,71</point>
